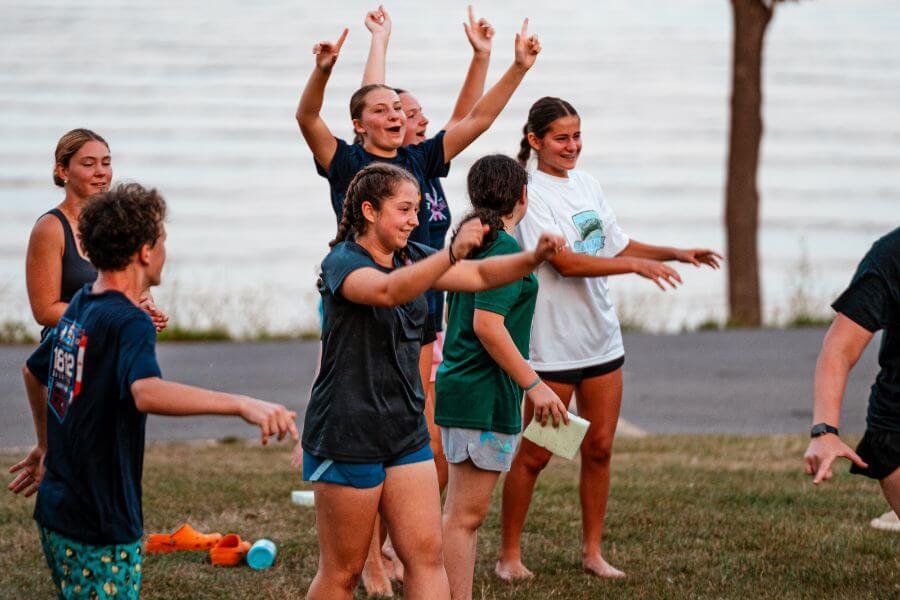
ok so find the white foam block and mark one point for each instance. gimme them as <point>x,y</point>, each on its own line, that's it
<point>564,440</point>
<point>303,498</point>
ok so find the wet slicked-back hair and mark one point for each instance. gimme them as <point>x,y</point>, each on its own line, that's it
<point>358,104</point>
<point>540,117</point>
<point>70,143</point>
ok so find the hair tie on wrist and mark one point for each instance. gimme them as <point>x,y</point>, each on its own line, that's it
<point>534,384</point>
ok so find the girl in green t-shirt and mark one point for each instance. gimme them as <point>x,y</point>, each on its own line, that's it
<point>485,370</point>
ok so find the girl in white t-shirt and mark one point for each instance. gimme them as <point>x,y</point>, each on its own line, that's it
<point>576,341</point>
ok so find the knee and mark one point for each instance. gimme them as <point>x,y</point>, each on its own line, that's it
<point>597,449</point>
<point>343,577</point>
<point>428,553</point>
<point>467,518</point>
<point>534,458</point>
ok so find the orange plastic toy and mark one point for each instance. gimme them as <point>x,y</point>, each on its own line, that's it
<point>230,551</point>
<point>184,538</point>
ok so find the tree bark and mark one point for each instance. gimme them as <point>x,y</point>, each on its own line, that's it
<point>751,18</point>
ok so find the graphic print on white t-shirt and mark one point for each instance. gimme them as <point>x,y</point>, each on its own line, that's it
<point>575,324</point>
<point>590,226</point>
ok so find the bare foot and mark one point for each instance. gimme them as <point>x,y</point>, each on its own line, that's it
<point>595,565</point>
<point>394,567</point>
<point>512,570</point>
<point>376,581</point>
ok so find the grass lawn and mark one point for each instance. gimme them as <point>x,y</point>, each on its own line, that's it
<point>689,517</point>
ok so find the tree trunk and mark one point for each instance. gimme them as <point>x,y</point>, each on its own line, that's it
<point>751,17</point>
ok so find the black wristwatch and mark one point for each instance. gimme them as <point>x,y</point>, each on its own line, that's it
<point>821,429</point>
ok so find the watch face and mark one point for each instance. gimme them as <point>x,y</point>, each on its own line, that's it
<point>818,429</point>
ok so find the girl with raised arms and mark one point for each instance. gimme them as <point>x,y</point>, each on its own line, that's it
<point>485,370</point>
<point>365,441</point>
<point>576,341</point>
<point>434,207</point>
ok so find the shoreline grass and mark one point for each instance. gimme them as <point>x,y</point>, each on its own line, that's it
<point>689,517</point>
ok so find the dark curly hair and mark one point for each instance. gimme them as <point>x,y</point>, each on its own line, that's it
<point>374,183</point>
<point>540,116</point>
<point>495,185</point>
<point>115,224</point>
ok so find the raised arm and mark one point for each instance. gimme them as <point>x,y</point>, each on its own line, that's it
<point>43,271</point>
<point>844,344</point>
<point>316,133</point>
<point>493,272</point>
<point>378,22</point>
<point>491,104</point>
<point>480,33</point>
<point>155,396</point>
<point>694,256</point>
<point>371,286</point>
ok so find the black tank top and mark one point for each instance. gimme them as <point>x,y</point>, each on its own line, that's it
<point>76,271</point>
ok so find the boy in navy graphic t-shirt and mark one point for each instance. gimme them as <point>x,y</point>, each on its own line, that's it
<point>90,385</point>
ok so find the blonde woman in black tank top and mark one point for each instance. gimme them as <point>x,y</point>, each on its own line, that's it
<point>55,268</point>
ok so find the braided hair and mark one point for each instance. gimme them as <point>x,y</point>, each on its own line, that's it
<point>495,184</point>
<point>540,117</point>
<point>373,183</point>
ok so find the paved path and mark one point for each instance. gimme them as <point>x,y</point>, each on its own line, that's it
<point>712,382</point>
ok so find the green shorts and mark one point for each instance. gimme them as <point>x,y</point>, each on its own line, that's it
<point>82,570</point>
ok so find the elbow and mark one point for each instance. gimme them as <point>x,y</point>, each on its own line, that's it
<point>141,392</point>
<point>27,375</point>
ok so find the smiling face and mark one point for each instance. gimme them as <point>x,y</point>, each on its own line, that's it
<point>89,170</point>
<point>558,149</point>
<point>382,122</point>
<point>391,224</point>
<point>416,121</point>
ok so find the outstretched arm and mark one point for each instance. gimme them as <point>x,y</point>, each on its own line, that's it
<point>371,286</point>
<point>491,104</point>
<point>159,397</point>
<point>480,33</point>
<point>844,344</point>
<point>694,256</point>
<point>493,272</point>
<point>378,22</point>
<point>576,264</point>
<point>316,133</point>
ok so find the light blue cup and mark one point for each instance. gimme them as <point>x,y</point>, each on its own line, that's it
<point>262,554</point>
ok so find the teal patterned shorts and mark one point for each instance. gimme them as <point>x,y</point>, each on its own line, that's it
<point>82,570</point>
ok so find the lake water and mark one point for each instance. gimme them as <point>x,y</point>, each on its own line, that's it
<point>199,102</point>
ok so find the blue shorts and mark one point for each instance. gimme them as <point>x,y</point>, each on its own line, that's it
<point>357,475</point>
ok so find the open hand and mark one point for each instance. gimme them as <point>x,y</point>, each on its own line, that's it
<point>548,245</point>
<point>272,419</point>
<point>527,47</point>
<point>480,33</point>
<point>327,52</point>
<point>657,272</point>
<point>547,403</point>
<point>32,471</point>
<point>378,22</point>
<point>821,454</point>
<point>698,256</point>
<point>468,237</point>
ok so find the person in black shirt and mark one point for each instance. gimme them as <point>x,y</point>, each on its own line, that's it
<point>90,385</point>
<point>365,441</point>
<point>54,266</point>
<point>870,304</point>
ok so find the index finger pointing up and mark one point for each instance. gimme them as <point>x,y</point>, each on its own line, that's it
<point>471,17</point>
<point>340,42</point>
<point>524,31</point>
